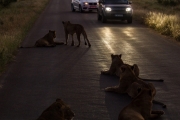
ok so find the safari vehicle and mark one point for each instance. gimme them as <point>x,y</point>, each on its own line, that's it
<point>84,5</point>
<point>114,9</point>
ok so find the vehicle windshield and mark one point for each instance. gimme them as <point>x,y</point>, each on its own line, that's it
<point>116,1</point>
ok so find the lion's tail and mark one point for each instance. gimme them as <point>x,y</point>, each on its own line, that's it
<point>27,47</point>
<point>85,37</point>
<point>112,89</point>
<point>153,80</point>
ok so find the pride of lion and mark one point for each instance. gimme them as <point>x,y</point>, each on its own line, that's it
<point>141,92</point>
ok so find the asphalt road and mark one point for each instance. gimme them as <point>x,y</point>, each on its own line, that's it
<point>38,76</point>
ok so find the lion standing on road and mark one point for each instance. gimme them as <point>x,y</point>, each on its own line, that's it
<point>75,28</point>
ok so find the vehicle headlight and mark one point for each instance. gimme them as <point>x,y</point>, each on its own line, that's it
<point>128,9</point>
<point>108,9</point>
<point>85,3</point>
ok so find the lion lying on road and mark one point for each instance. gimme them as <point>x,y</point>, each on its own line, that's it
<point>75,28</point>
<point>57,111</point>
<point>129,83</point>
<point>47,40</point>
<point>116,64</point>
<point>141,106</point>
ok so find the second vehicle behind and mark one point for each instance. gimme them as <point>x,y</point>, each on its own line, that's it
<point>84,5</point>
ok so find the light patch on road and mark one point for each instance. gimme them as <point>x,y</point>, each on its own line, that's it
<point>107,39</point>
<point>129,34</point>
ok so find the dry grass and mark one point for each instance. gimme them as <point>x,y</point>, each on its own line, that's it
<point>164,19</point>
<point>15,21</point>
<point>165,24</point>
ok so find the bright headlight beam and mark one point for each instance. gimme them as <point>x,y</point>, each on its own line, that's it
<point>86,3</point>
<point>108,9</point>
<point>128,9</point>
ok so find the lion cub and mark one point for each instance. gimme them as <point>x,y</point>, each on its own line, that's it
<point>47,40</point>
<point>75,28</point>
<point>141,106</point>
<point>57,111</point>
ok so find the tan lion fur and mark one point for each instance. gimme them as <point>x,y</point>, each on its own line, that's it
<point>129,83</point>
<point>57,111</point>
<point>141,106</point>
<point>70,28</point>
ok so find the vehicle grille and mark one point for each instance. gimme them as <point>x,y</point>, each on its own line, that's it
<point>92,3</point>
<point>118,9</point>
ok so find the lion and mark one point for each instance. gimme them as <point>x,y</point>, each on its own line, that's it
<point>70,28</point>
<point>129,83</point>
<point>47,40</point>
<point>116,63</point>
<point>141,106</point>
<point>57,111</point>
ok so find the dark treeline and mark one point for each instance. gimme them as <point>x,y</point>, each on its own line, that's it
<point>169,2</point>
<point>6,2</point>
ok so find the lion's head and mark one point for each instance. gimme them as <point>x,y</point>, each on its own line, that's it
<point>52,33</point>
<point>65,23</point>
<point>136,88</point>
<point>127,71</point>
<point>58,110</point>
<point>147,92</point>
<point>115,64</point>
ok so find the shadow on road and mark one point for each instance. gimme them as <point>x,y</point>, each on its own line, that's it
<point>114,102</point>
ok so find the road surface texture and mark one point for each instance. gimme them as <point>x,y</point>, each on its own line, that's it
<point>38,76</point>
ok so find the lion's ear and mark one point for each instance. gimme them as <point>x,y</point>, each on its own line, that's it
<point>112,56</point>
<point>132,68</point>
<point>120,55</point>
